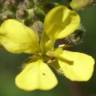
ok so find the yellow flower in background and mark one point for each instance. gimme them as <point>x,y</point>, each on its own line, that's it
<point>60,22</point>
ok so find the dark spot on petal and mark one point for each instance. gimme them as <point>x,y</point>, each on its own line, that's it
<point>43,74</point>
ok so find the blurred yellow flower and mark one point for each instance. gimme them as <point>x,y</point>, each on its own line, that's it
<point>59,23</point>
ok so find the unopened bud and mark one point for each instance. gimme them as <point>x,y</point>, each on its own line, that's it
<point>80,4</point>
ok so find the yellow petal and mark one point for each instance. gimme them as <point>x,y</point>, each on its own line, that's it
<point>17,38</point>
<point>76,66</point>
<point>36,75</point>
<point>60,22</point>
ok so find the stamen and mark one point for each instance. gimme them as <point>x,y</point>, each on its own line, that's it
<point>66,60</point>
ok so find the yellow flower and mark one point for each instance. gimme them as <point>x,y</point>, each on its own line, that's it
<point>59,23</point>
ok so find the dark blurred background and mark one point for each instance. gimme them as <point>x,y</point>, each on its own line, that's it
<point>10,65</point>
